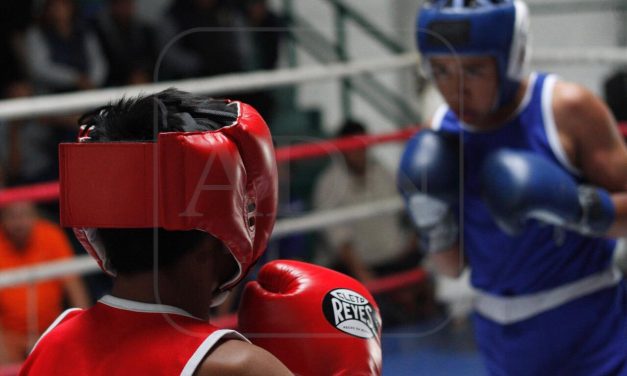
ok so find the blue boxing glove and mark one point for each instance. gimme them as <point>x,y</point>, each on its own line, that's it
<point>520,185</point>
<point>428,179</point>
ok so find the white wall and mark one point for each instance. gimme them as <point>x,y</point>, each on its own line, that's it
<point>361,46</point>
<point>577,30</point>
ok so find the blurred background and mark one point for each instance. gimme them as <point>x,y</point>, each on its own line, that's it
<point>56,48</point>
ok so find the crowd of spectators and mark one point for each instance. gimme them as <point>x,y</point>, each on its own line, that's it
<point>60,46</point>
<point>57,46</point>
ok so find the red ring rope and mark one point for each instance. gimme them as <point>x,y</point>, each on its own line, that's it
<point>50,191</point>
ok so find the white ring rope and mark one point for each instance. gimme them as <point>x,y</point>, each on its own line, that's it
<point>580,55</point>
<point>327,218</point>
<point>75,102</point>
<point>232,83</point>
<point>309,222</point>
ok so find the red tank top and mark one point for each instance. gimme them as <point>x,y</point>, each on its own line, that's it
<point>123,337</point>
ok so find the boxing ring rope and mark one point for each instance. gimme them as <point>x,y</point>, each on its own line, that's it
<point>59,104</point>
<point>43,192</point>
<point>284,227</point>
<point>579,55</point>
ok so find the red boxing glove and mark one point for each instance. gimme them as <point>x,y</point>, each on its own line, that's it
<point>315,320</point>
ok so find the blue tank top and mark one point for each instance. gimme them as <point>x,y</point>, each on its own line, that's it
<point>543,256</point>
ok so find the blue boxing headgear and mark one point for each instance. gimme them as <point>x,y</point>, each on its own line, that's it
<point>496,28</point>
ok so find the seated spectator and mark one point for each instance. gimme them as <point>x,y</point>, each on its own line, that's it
<point>262,51</point>
<point>375,246</point>
<point>369,244</point>
<point>207,51</point>
<point>129,44</point>
<point>259,45</point>
<point>61,55</point>
<point>28,148</point>
<point>15,18</point>
<point>26,311</point>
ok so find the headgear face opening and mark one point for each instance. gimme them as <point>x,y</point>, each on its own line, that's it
<point>480,27</point>
<point>223,182</point>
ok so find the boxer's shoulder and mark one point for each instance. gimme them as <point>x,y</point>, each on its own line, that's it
<point>573,105</point>
<point>235,357</point>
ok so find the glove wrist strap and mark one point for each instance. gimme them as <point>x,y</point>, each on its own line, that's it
<point>597,210</point>
<point>441,236</point>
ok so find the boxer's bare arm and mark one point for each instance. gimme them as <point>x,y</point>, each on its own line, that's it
<point>239,358</point>
<point>590,137</point>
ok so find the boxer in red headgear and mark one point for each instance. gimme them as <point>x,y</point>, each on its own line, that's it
<point>175,196</point>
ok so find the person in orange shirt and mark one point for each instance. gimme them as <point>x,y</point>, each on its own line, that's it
<point>26,311</point>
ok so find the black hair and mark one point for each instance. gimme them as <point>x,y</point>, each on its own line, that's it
<point>141,119</point>
<point>351,127</point>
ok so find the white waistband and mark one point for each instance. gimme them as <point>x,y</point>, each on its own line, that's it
<point>508,310</point>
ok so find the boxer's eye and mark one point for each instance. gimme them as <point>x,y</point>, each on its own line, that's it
<point>440,72</point>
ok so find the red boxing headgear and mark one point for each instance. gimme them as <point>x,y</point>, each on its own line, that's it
<point>222,182</point>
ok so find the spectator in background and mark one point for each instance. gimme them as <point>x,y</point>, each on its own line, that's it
<point>615,88</point>
<point>211,50</point>
<point>365,246</point>
<point>61,55</point>
<point>259,43</point>
<point>262,52</point>
<point>15,18</point>
<point>375,246</point>
<point>26,311</point>
<point>129,44</point>
<point>28,148</point>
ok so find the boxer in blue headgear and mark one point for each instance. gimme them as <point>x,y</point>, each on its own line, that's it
<point>529,173</point>
<point>497,29</point>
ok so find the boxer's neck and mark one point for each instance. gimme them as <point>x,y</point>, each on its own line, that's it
<point>505,113</point>
<point>175,289</point>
